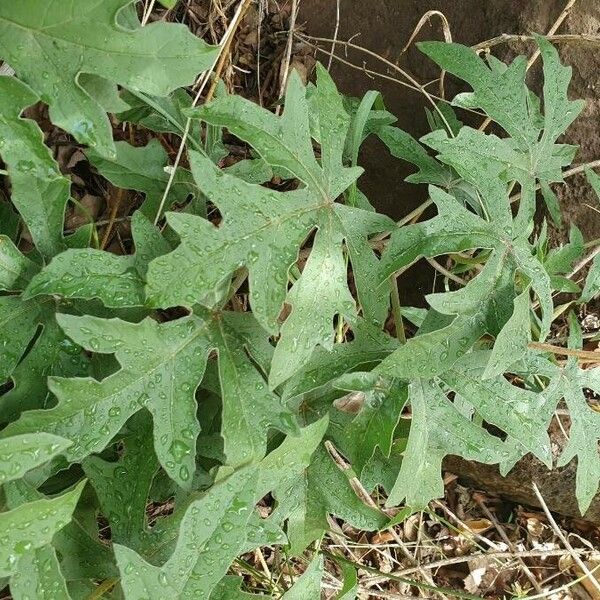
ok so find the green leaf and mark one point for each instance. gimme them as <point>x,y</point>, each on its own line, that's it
<point>118,281</point>
<point>316,299</point>
<point>38,570</point>
<point>522,414</point>
<point>123,486</point>
<point>376,422</point>
<point>162,365</point>
<point>350,588</point>
<point>212,534</point>
<point>323,489</point>
<point>32,526</point>
<point>263,229</point>
<point>215,527</point>
<point>511,343</point>
<point>18,324</point>
<point>529,154</point>
<point>229,589</point>
<point>91,412</point>
<point>369,347</point>
<point>477,308</point>
<point>21,453</point>
<point>16,270</point>
<point>585,422</point>
<point>402,145</point>
<point>592,282</point>
<point>39,573</point>
<point>47,50</point>
<point>53,353</point>
<point>308,585</point>
<point>437,429</point>
<point>39,191</point>
<point>143,169</point>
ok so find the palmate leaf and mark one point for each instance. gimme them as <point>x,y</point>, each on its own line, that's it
<point>47,50</point>
<point>531,152</point>
<point>437,429</point>
<point>162,365</point>
<point>39,191</point>
<point>117,281</point>
<point>216,526</point>
<point>263,229</point>
<point>483,306</point>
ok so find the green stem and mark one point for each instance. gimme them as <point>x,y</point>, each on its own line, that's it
<point>397,311</point>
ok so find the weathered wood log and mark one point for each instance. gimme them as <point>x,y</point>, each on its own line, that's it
<point>557,486</point>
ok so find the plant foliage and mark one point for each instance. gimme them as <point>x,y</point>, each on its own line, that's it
<point>145,379</point>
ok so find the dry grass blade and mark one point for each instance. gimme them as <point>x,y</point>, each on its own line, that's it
<point>564,540</point>
<point>202,80</point>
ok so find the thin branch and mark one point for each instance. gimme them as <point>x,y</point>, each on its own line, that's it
<point>335,33</point>
<point>565,38</point>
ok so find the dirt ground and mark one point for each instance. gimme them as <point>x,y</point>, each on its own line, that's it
<point>384,26</point>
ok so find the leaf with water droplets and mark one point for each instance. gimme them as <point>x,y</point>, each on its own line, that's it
<point>585,421</point>
<point>437,429</point>
<point>52,353</point>
<point>523,414</point>
<point>39,570</point>
<point>39,191</point>
<point>162,366</point>
<point>33,525</point>
<point>369,347</point>
<point>249,407</point>
<point>16,270</point>
<point>308,585</point>
<point>373,427</point>
<point>118,281</point>
<point>143,169</point>
<point>123,486</point>
<point>212,533</point>
<point>217,526</point>
<point>21,453</point>
<point>531,152</point>
<point>48,51</point>
<point>323,489</point>
<point>263,229</point>
<point>511,342</point>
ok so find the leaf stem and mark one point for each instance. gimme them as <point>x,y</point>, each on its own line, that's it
<point>397,311</point>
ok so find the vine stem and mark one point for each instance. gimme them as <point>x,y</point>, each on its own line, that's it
<point>203,80</point>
